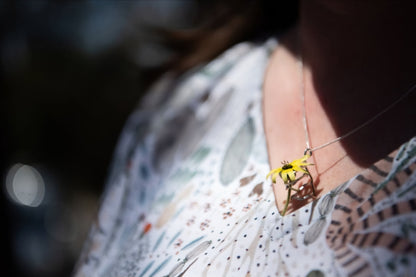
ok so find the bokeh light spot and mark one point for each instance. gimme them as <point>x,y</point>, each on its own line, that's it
<point>25,185</point>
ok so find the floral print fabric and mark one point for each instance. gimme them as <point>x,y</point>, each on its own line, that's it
<point>187,193</point>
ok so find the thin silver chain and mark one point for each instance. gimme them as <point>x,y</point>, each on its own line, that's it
<point>305,121</point>
<point>302,96</point>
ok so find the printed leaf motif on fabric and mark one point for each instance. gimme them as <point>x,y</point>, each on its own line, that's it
<point>361,218</point>
<point>238,153</point>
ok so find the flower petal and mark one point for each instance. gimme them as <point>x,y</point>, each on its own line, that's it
<point>302,161</point>
<point>274,173</point>
<point>299,169</point>
<point>292,175</point>
<point>288,171</point>
<point>283,175</point>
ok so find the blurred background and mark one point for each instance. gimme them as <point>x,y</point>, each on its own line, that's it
<point>71,73</point>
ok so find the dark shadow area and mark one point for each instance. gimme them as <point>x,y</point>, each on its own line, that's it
<point>71,73</point>
<point>362,60</point>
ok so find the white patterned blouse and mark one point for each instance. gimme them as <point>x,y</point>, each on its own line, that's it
<point>187,194</point>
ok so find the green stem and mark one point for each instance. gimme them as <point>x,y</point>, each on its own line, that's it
<point>287,201</point>
<point>310,176</point>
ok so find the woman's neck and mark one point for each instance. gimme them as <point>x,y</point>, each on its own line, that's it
<point>361,57</point>
<point>358,58</point>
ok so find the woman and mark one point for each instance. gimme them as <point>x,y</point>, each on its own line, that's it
<point>188,194</point>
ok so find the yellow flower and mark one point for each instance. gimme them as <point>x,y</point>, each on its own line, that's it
<point>288,171</point>
<point>288,174</point>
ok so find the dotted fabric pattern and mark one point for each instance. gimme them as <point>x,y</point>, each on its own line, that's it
<point>187,194</point>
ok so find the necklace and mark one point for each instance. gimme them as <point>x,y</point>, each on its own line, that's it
<point>287,172</point>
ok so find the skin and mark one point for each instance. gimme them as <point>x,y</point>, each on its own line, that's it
<point>359,56</point>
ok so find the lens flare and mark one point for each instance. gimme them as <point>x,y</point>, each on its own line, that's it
<point>25,185</point>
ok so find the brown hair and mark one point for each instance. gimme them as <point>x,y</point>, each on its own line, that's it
<point>223,23</point>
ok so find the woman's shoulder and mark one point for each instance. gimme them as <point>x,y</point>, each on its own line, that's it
<point>177,91</point>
